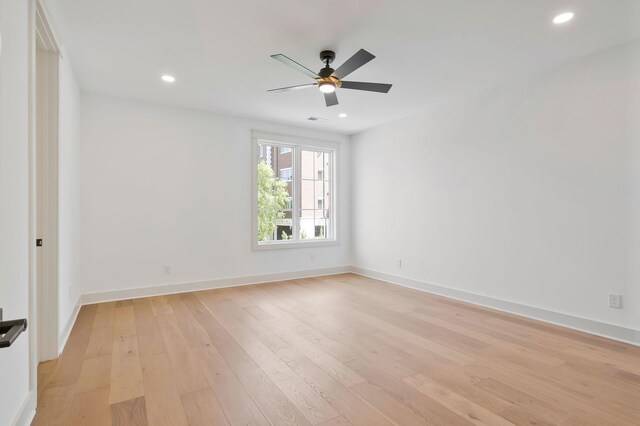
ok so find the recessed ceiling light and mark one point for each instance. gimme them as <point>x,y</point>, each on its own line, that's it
<point>168,78</point>
<point>342,115</point>
<point>563,18</point>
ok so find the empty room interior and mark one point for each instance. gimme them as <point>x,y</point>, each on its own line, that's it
<point>355,212</point>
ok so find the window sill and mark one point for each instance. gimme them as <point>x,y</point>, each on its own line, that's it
<point>294,244</point>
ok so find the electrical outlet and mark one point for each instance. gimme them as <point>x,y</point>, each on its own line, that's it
<point>615,300</point>
<point>399,263</point>
<point>167,269</point>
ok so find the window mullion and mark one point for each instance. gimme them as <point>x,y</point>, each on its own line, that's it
<point>295,216</point>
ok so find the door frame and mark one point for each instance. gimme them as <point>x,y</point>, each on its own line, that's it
<point>43,198</point>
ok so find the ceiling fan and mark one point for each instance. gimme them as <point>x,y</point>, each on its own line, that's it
<point>328,79</point>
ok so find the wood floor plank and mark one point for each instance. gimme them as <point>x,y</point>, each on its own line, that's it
<point>237,404</point>
<point>54,405</point>
<point>524,402</point>
<point>132,412</point>
<point>124,321</point>
<point>334,350</point>
<point>392,408</point>
<point>95,374</point>
<point>195,335</point>
<point>272,401</point>
<point>202,409</point>
<point>100,342</point>
<point>188,374</point>
<point>90,408</point>
<point>336,421</point>
<point>313,407</point>
<point>162,400</point>
<point>348,404</point>
<point>105,314</point>
<point>149,339</point>
<point>431,410</point>
<point>160,305</point>
<point>456,403</point>
<point>126,376</point>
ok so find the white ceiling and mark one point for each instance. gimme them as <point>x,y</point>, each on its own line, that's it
<point>430,50</point>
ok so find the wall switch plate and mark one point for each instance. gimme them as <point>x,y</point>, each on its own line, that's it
<point>615,300</point>
<point>167,269</point>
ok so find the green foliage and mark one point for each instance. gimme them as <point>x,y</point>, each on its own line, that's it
<point>272,200</point>
<point>285,236</point>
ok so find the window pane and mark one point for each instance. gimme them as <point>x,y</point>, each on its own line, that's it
<point>307,196</point>
<point>315,196</point>
<point>306,164</point>
<point>322,195</point>
<point>307,223</point>
<point>275,192</point>
<point>320,228</point>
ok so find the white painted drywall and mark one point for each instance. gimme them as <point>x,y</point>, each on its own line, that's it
<point>14,201</point>
<point>527,193</point>
<point>69,253</point>
<point>172,186</point>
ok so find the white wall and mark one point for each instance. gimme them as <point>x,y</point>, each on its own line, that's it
<point>69,194</point>
<point>171,186</point>
<point>527,193</point>
<point>14,201</point>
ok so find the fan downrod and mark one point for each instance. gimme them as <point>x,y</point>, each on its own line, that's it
<point>327,56</point>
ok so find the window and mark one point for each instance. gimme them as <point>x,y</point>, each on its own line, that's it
<point>293,194</point>
<point>286,174</point>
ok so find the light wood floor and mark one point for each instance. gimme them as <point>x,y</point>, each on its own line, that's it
<point>332,351</point>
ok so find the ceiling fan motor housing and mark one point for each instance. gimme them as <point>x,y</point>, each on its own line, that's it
<point>326,72</point>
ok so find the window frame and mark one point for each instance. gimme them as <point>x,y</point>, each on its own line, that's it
<point>296,143</point>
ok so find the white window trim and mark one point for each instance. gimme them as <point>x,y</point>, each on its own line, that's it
<point>294,141</point>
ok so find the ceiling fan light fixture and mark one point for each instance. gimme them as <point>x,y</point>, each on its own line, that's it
<point>327,87</point>
<point>563,18</point>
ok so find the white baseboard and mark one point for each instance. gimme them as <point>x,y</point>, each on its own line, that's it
<point>134,293</point>
<point>66,331</point>
<point>27,411</point>
<point>602,329</point>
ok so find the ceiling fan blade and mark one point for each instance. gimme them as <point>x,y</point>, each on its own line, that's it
<point>293,64</point>
<point>289,88</point>
<point>331,99</point>
<point>369,87</point>
<point>360,58</point>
